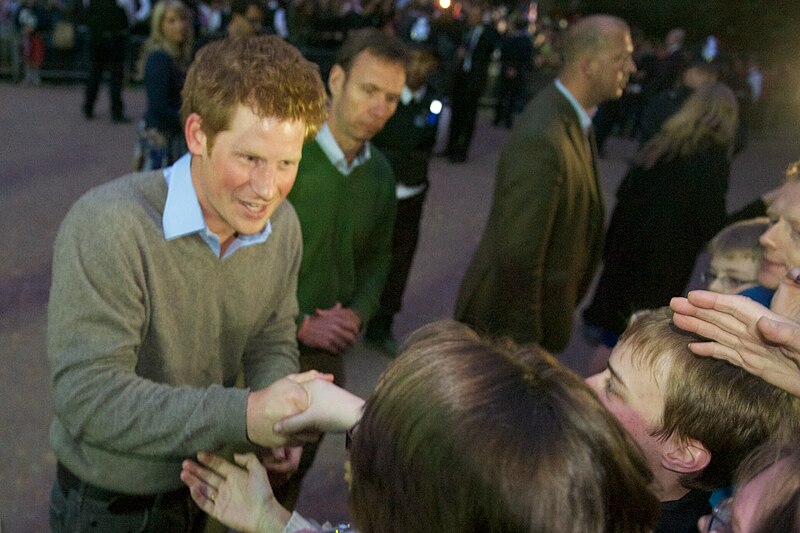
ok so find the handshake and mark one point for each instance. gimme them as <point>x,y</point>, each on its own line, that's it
<point>296,409</point>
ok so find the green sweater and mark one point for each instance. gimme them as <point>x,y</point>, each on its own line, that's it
<point>347,224</point>
<point>146,336</point>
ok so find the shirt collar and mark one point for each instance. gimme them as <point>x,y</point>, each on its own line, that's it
<point>584,117</point>
<point>183,216</point>
<point>335,154</point>
<point>182,213</point>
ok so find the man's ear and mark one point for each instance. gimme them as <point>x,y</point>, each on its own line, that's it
<point>685,456</point>
<point>336,79</point>
<point>195,136</point>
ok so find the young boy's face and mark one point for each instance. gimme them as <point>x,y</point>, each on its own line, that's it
<point>731,274</point>
<point>633,393</point>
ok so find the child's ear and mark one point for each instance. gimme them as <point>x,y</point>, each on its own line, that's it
<point>685,456</point>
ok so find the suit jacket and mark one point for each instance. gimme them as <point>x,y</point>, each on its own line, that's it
<point>543,239</point>
<point>474,80</point>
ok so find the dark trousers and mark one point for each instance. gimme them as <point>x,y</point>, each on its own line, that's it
<point>107,55</point>
<point>404,246</point>
<point>310,359</point>
<point>77,507</point>
<point>511,96</point>
<point>464,113</point>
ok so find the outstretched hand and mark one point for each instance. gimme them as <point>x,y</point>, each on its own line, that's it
<point>238,496</point>
<point>744,333</point>
<point>330,408</point>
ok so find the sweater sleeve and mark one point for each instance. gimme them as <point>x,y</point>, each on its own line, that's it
<point>373,263</point>
<point>97,322</point>
<point>272,353</point>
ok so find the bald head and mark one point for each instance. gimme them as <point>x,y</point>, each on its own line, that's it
<point>597,59</point>
<point>590,35</point>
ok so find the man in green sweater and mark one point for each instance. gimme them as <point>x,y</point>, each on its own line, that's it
<point>166,283</point>
<point>344,198</point>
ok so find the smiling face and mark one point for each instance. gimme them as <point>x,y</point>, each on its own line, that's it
<point>363,99</point>
<point>781,242</point>
<point>250,169</point>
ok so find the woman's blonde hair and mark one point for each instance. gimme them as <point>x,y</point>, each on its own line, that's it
<point>182,53</point>
<point>709,116</point>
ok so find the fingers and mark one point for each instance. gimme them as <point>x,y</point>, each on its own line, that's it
<point>781,333</point>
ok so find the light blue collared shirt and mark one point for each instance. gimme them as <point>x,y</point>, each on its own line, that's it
<point>584,117</point>
<point>183,216</point>
<point>335,154</point>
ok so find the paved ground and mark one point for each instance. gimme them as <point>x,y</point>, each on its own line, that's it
<point>49,155</point>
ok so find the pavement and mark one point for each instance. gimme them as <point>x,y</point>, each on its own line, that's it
<point>50,155</point>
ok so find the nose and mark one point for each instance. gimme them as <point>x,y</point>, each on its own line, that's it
<point>594,382</point>
<point>767,239</point>
<point>264,182</point>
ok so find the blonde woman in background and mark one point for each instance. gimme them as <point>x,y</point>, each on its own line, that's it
<point>163,63</point>
<point>671,202</point>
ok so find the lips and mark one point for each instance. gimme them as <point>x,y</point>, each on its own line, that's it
<point>254,209</point>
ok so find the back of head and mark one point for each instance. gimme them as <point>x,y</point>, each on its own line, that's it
<point>723,407</point>
<point>739,239</point>
<point>263,72</point>
<point>708,117</point>
<point>589,36</point>
<point>464,435</point>
<point>380,44</point>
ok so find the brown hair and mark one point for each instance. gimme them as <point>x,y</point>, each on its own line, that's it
<point>263,72</point>
<point>464,435</point>
<point>376,42</point>
<point>724,407</point>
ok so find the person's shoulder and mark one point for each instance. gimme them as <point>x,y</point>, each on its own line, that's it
<point>120,202</point>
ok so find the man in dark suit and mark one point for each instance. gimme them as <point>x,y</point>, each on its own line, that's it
<point>544,235</point>
<point>469,80</point>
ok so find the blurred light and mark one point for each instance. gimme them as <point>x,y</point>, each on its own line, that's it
<point>436,107</point>
<point>444,4</point>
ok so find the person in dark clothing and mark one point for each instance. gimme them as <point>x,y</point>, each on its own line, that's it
<point>165,58</point>
<point>469,81</point>
<point>516,64</point>
<point>109,25</point>
<point>407,141</point>
<point>669,205</point>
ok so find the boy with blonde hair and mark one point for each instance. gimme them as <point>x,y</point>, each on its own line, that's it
<point>735,256</point>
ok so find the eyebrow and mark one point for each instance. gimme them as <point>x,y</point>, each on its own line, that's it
<point>616,376</point>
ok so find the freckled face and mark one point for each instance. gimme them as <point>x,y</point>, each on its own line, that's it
<point>248,172</point>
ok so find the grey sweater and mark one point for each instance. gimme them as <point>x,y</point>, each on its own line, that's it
<point>146,336</point>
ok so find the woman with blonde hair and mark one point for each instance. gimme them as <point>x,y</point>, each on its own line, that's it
<point>671,202</point>
<point>163,63</point>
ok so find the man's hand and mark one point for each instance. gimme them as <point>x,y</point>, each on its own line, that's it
<point>744,333</point>
<point>330,408</point>
<point>285,397</point>
<point>238,496</point>
<point>333,330</point>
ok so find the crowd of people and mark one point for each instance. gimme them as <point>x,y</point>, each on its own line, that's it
<point>202,305</point>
